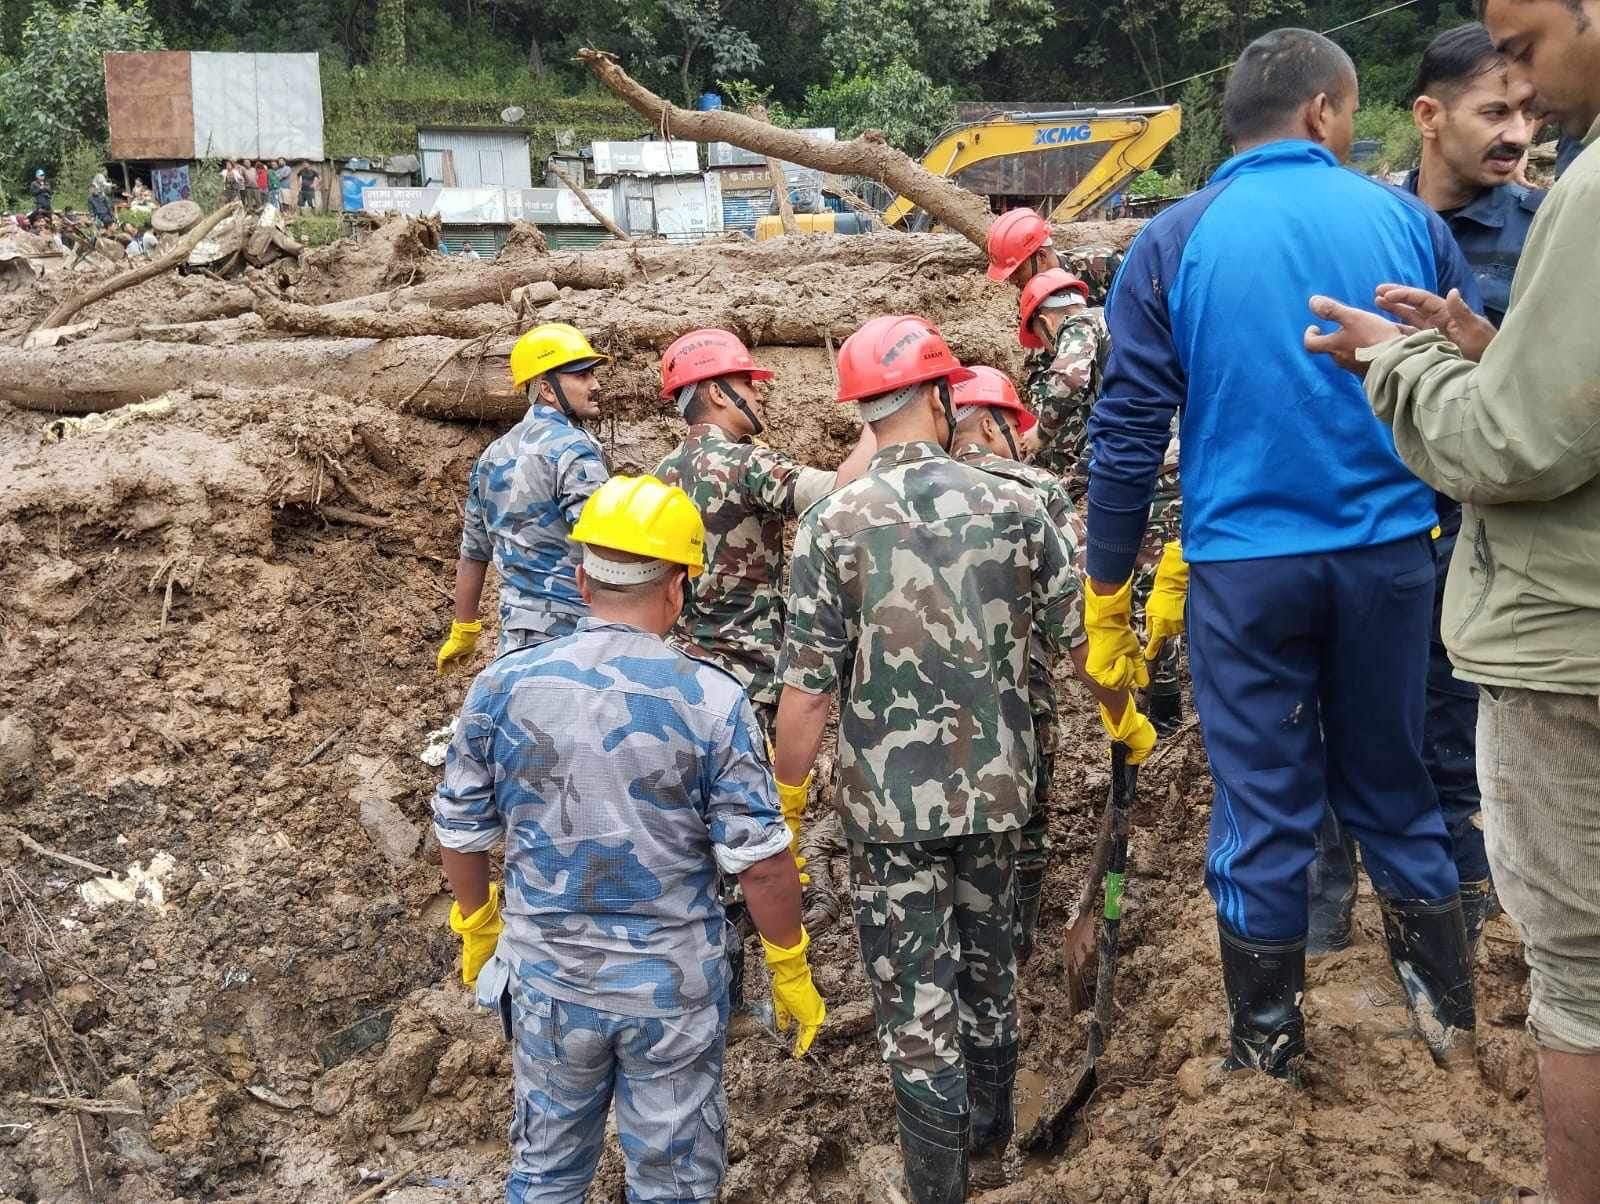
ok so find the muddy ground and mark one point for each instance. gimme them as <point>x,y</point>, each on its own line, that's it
<point>217,630</point>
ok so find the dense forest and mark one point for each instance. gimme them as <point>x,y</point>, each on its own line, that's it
<point>897,65</point>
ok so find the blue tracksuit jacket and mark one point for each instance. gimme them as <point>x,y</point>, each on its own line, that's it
<point>1281,454</point>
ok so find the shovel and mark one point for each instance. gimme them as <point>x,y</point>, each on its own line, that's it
<point>1111,861</point>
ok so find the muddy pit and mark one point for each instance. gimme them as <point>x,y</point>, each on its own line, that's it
<point>217,630</point>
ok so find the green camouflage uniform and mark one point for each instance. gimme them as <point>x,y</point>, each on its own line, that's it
<point>918,590</point>
<point>734,613</point>
<point>1035,852</point>
<point>1062,385</point>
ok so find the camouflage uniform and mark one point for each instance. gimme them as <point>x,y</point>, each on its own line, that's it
<point>623,775</point>
<point>922,586</point>
<point>744,491</point>
<point>1062,385</point>
<point>522,500</point>
<point>1035,851</point>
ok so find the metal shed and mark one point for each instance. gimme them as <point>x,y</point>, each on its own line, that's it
<point>475,156</point>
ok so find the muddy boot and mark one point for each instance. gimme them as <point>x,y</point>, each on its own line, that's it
<point>1264,981</point>
<point>933,1146</point>
<point>1428,949</point>
<point>991,1089</point>
<point>1331,889</point>
<point>1030,892</point>
<point>1163,707</point>
<point>1479,905</point>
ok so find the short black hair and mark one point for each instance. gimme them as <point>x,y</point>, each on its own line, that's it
<point>1454,59</point>
<point>699,408</point>
<point>1276,74</point>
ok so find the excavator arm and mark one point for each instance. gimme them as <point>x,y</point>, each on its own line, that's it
<point>1133,138</point>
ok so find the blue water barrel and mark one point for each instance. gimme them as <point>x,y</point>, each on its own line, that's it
<point>708,101</point>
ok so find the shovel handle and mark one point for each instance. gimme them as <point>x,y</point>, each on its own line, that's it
<point>1123,786</point>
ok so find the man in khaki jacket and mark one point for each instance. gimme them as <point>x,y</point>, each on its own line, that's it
<point>1509,423</point>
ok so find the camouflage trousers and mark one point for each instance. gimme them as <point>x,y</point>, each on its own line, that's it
<point>534,629</point>
<point>570,1062</point>
<point>934,918</point>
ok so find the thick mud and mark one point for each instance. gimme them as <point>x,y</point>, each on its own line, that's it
<point>217,629</point>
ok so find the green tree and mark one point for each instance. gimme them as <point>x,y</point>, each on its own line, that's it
<point>943,39</point>
<point>703,30</point>
<point>1201,144</point>
<point>54,95</point>
<point>389,46</point>
<point>907,106</point>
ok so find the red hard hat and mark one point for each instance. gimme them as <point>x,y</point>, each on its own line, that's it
<point>704,355</point>
<point>993,388</point>
<point>894,351</point>
<point>1045,284</point>
<point>1013,236</point>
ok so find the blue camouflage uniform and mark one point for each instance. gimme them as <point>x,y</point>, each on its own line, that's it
<point>622,776</point>
<point>523,498</point>
<point>1311,569</point>
<point>1490,231</point>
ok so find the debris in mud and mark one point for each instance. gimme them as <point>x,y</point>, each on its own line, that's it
<point>137,885</point>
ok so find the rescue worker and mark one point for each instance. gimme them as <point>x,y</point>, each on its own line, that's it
<point>1068,343</point>
<point>916,591</point>
<point>991,427</point>
<point>622,776</point>
<point>1506,421</point>
<point>1475,126</point>
<point>1311,565</point>
<point>1020,247</point>
<point>524,496</point>
<point>744,491</point>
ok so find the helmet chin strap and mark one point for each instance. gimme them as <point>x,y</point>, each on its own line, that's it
<point>562,403</point>
<point>732,396</point>
<point>1005,433</point>
<point>942,387</point>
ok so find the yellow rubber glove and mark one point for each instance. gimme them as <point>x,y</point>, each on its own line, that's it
<point>462,643</point>
<point>479,933</point>
<point>1133,729</point>
<point>1114,659</point>
<point>1163,614</point>
<point>792,801</point>
<point>794,997</point>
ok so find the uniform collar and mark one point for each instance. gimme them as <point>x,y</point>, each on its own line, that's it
<point>709,430</point>
<point>906,453</point>
<point>540,412</point>
<point>1286,152</point>
<point>1489,208</point>
<point>590,623</point>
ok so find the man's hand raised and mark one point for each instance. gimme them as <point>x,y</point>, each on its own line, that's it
<point>1357,329</point>
<point>1450,316</point>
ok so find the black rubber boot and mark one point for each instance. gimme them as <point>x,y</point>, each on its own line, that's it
<point>1331,890</point>
<point>1163,707</point>
<point>1479,905</point>
<point>1264,981</point>
<point>1428,949</point>
<point>991,1090</point>
<point>1029,893</point>
<point>933,1146</point>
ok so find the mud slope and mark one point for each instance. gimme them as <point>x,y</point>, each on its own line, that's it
<point>217,627</point>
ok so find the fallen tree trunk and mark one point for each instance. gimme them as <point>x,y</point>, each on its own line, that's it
<point>372,324</point>
<point>869,155</point>
<point>164,262</point>
<point>83,379</point>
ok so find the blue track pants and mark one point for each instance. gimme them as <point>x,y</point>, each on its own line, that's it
<point>1309,676</point>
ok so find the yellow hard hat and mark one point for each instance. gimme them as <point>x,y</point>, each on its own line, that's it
<point>548,347</point>
<point>647,517</point>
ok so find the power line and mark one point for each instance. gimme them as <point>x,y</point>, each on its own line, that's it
<point>1382,12</point>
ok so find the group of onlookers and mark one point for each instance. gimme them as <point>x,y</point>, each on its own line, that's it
<point>269,182</point>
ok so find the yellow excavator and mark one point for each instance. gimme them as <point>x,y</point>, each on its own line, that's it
<point>1081,156</point>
